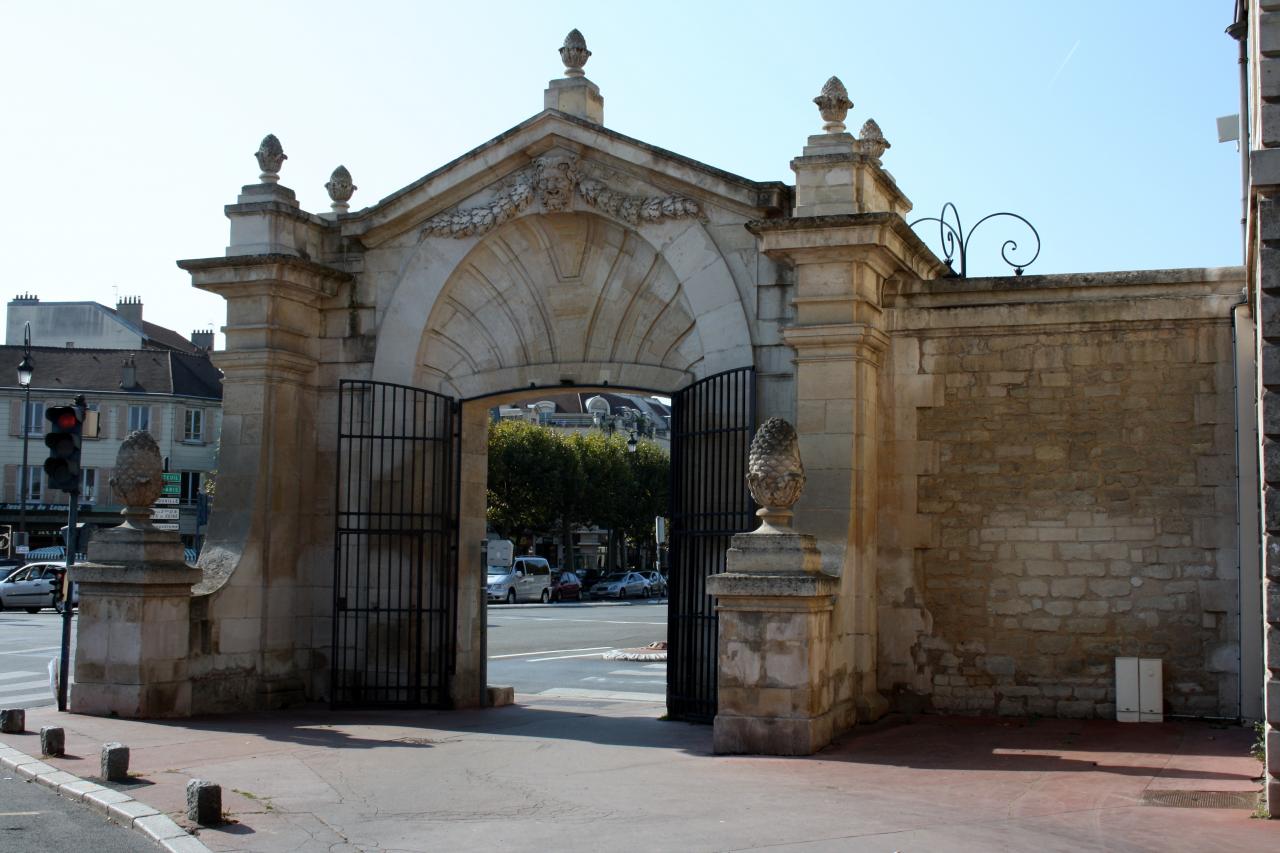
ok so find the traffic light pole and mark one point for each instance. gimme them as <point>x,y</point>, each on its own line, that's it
<point>73,538</point>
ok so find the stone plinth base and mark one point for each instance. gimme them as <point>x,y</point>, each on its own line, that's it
<point>133,635</point>
<point>774,696</point>
<point>734,735</point>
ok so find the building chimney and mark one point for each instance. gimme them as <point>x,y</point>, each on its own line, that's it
<point>25,299</point>
<point>202,340</point>
<point>130,308</point>
<point>128,374</point>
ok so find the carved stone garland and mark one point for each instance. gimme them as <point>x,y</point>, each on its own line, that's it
<point>555,181</point>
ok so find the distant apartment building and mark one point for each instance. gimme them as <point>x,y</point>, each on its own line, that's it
<point>134,375</point>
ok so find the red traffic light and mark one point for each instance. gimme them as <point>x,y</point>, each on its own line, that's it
<point>65,419</point>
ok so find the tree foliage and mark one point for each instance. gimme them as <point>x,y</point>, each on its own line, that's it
<point>544,482</point>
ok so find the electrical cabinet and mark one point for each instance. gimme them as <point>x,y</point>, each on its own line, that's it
<point>1139,690</point>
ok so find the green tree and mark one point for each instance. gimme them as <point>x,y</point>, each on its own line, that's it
<point>649,489</point>
<point>526,468</point>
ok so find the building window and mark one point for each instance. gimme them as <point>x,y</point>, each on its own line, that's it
<point>189,487</point>
<point>35,419</point>
<point>139,418</point>
<point>193,429</point>
<point>88,485</point>
<point>35,483</point>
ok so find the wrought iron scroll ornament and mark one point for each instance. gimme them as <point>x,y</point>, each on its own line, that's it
<point>955,242</point>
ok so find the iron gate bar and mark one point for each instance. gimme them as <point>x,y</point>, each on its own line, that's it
<point>713,421</point>
<point>395,546</point>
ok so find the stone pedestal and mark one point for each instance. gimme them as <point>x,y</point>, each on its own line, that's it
<point>134,624</point>
<point>774,607</point>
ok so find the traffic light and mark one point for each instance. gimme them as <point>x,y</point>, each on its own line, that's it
<point>62,468</point>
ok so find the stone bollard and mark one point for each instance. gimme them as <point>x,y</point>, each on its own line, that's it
<point>115,762</point>
<point>53,741</point>
<point>204,802</point>
<point>13,721</point>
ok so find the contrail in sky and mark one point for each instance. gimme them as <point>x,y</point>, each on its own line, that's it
<point>1070,53</point>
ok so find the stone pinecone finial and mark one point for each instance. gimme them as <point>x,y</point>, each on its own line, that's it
<point>775,474</point>
<point>137,479</point>
<point>271,157</point>
<point>574,54</point>
<point>833,104</point>
<point>340,189</point>
<point>872,141</point>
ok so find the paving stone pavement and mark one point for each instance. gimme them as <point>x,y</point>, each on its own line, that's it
<point>572,775</point>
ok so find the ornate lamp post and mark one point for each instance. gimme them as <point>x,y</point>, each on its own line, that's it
<point>632,443</point>
<point>26,369</point>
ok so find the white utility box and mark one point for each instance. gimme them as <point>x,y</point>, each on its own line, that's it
<point>1139,690</point>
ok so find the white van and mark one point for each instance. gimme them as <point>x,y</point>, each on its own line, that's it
<point>526,579</point>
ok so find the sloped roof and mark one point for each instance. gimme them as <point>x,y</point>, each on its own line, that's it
<point>158,371</point>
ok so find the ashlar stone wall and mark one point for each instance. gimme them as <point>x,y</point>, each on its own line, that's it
<point>1074,491</point>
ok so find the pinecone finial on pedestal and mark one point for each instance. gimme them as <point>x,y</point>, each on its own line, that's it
<point>775,474</point>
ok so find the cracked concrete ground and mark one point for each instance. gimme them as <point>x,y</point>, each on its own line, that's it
<point>573,775</point>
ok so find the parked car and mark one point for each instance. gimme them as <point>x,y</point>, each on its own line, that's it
<point>657,583</point>
<point>34,587</point>
<point>566,586</point>
<point>526,579</point>
<point>621,585</point>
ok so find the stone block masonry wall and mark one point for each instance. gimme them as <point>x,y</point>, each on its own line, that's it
<point>1083,507</point>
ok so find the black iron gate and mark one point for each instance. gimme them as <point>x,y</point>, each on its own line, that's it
<point>395,546</point>
<point>712,422</point>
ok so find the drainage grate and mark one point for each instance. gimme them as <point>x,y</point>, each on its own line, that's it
<point>1201,799</point>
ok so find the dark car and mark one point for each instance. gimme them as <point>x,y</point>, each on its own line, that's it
<point>566,587</point>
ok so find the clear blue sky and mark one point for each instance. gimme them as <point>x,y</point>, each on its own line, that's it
<point>130,125</point>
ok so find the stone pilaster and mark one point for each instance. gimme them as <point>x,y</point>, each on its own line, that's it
<point>1267,311</point>
<point>842,263</point>
<point>255,615</point>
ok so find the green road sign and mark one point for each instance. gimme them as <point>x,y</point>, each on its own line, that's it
<point>171,478</point>
<point>169,489</point>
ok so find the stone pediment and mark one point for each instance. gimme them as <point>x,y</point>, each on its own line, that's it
<point>555,163</point>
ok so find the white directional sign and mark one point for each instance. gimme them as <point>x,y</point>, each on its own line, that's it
<point>165,526</point>
<point>165,513</point>
<point>166,502</point>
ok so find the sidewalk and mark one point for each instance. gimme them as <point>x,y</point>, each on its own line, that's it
<point>571,775</point>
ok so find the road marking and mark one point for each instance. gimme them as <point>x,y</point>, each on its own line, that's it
<point>30,697</point>
<point>563,657</point>
<point>636,672</point>
<point>550,652</point>
<point>9,676</point>
<point>19,814</point>
<point>661,666</point>
<point>29,651</point>
<point>585,693</point>
<point>24,685</point>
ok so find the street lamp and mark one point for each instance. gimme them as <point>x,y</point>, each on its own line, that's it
<point>632,443</point>
<point>26,369</point>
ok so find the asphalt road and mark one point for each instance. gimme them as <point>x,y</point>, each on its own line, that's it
<point>557,649</point>
<point>34,818</point>
<point>27,643</point>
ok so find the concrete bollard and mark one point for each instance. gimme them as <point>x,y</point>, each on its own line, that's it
<point>53,741</point>
<point>115,762</point>
<point>204,802</point>
<point>13,721</point>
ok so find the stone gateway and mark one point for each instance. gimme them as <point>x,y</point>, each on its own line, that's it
<point>1010,481</point>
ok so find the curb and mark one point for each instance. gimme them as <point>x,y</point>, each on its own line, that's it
<point>118,806</point>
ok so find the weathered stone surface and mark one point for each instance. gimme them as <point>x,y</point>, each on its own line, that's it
<point>114,765</point>
<point>53,740</point>
<point>13,720</point>
<point>1076,510</point>
<point>204,802</point>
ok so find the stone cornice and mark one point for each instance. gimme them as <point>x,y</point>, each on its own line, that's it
<point>837,342</point>
<point>275,274</point>
<point>276,207</point>
<point>846,237</point>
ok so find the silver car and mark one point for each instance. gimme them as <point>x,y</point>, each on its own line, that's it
<point>34,587</point>
<point>621,585</point>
